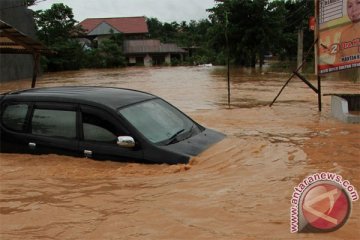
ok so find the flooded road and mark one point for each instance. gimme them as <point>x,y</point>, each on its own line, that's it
<point>238,189</point>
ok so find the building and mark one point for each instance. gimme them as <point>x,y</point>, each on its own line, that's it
<point>17,66</point>
<point>130,27</point>
<point>138,50</point>
<point>151,52</point>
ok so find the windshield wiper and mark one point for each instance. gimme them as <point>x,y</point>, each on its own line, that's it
<point>191,131</point>
<point>172,139</point>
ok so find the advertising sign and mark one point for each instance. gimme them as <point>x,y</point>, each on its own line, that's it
<point>339,35</point>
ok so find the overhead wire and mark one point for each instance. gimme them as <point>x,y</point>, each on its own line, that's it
<point>299,19</point>
<point>296,12</point>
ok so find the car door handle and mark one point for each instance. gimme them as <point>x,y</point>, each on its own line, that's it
<point>32,145</point>
<point>87,153</point>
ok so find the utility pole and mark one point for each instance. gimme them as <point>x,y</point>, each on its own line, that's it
<point>316,36</point>
<point>228,56</point>
<point>227,50</point>
<point>300,48</point>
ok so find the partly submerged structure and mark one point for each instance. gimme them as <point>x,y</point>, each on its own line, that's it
<point>137,48</point>
<point>346,107</point>
<point>15,14</point>
<point>13,42</point>
<point>151,52</point>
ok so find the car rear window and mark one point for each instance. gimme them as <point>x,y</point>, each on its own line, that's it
<point>54,123</point>
<point>14,116</point>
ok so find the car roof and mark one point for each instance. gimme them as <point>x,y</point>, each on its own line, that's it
<point>94,95</point>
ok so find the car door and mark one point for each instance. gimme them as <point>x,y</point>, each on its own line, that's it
<point>53,129</point>
<point>14,118</point>
<point>99,131</point>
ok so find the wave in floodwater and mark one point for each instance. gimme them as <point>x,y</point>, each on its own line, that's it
<point>239,188</point>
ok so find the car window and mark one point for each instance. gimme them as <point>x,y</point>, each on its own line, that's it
<point>14,116</point>
<point>54,123</point>
<point>97,129</point>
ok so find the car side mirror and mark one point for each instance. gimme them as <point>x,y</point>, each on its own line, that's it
<point>126,142</point>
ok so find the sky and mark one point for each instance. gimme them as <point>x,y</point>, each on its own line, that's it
<point>164,10</point>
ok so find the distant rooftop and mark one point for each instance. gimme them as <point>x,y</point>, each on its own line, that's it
<point>150,46</point>
<point>126,25</point>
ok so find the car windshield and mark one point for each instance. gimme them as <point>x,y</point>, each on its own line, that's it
<point>158,121</point>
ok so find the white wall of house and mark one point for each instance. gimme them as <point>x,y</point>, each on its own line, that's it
<point>168,58</point>
<point>132,60</point>
<point>147,61</point>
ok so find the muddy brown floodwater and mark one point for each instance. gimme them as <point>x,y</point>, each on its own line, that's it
<point>238,189</point>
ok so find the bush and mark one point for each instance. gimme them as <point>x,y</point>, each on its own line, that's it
<point>108,54</point>
<point>68,56</point>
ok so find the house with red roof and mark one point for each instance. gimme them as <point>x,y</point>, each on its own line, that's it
<point>137,48</point>
<point>130,27</point>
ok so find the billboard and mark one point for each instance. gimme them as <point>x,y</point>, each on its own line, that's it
<point>339,35</point>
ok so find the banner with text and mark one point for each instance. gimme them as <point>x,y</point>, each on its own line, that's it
<point>339,35</point>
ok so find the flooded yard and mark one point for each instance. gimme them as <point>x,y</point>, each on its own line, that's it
<point>238,189</point>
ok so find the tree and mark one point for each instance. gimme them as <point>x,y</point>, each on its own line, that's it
<point>296,15</point>
<point>155,28</point>
<point>194,34</point>
<point>108,53</point>
<point>111,51</point>
<point>253,28</point>
<point>56,24</point>
<point>56,27</point>
<point>29,2</point>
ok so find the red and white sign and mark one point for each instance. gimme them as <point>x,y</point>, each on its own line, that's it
<point>326,207</point>
<point>339,35</point>
<point>321,203</point>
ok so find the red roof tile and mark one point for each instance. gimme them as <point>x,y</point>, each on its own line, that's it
<point>124,24</point>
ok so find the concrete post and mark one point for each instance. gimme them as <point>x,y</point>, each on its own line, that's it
<point>300,48</point>
<point>168,59</point>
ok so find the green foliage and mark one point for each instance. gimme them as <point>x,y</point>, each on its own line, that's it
<point>56,28</point>
<point>253,28</point>
<point>246,28</point>
<point>93,59</point>
<point>56,24</point>
<point>296,17</point>
<point>29,2</point>
<point>68,57</point>
<point>187,35</point>
<point>108,53</point>
<point>258,26</point>
<point>111,53</point>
